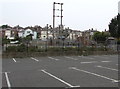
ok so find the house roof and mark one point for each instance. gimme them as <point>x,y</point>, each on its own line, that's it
<point>110,38</point>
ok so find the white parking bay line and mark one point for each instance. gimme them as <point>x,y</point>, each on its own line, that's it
<point>7,79</point>
<point>105,61</point>
<point>85,57</point>
<point>113,80</point>
<point>53,58</point>
<point>14,60</point>
<point>58,79</point>
<point>107,68</point>
<point>104,57</point>
<point>88,62</point>
<point>70,58</point>
<point>34,59</point>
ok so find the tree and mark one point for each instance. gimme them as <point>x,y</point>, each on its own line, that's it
<point>5,26</point>
<point>63,34</point>
<point>5,41</point>
<point>114,27</point>
<point>27,39</point>
<point>100,37</point>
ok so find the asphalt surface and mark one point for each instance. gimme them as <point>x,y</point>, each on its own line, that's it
<point>61,71</point>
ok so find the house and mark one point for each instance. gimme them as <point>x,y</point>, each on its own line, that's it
<point>73,37</point>
<point>46,34</point>
<point>25,32</point>
<point>8,33</point>
<point>21,33</point>
<point>2,33</point>
<point>87,37</point>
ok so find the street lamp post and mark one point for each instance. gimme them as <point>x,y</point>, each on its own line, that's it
<point>45,43</point>
<point>63,38</point>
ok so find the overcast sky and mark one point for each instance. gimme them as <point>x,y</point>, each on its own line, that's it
<point>77,14</point>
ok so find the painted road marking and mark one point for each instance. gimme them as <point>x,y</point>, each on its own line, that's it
<point>110,56</point>
<point>116,57</point>
<point>113,80</point>
<point>34,59</point>
<point>58,79</point>
<point>88,62</point>
<point>105,61</point>
<point>4,72</point>
<point>70,58</point>
<point>105,57</point>
<point>53,58</point>
<point>107,68</point>
<point>14,60</point>
<point>7,79</point>
<point>102,57</point>
<point>97,56</point>
<point>86,57</point>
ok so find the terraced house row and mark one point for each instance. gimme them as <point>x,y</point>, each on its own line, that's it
<point>47,34</point>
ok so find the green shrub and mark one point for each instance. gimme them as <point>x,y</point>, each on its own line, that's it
<point>22,48</point>
<point>11,49</point>
<point>56,49</point>
<point>70,49</point>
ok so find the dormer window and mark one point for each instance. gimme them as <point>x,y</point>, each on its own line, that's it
<point>28,31</point>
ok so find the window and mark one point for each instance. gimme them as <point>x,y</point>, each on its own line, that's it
<point>28,31</point>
